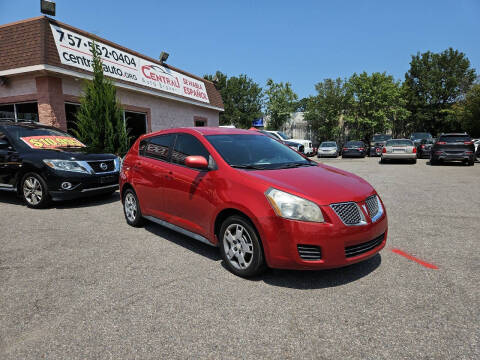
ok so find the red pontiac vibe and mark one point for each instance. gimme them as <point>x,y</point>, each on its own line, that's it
<point>260,202</point>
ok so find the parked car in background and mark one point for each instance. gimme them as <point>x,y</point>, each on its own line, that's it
<point>453,147</point>
<point>416,137</point>
<point>292,145</point>
<point>42,163</point>
<point>476,142</point>
<point>327,149</point>
<point>424,147</point>
<point>377,143</point>
<point>354,149</point>
<point>258,201</point>
<point>307,144</point>
<point>399,149</point>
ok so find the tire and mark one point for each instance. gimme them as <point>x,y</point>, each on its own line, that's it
<point>433,162</point>
<point>131,208</point>
<point>471,163</point>
<point>414,161</point>
<point>382,161</point>
<point>34,191</point>
<point>241,251</point>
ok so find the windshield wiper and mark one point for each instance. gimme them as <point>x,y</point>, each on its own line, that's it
<point>296,164</point>
<point>248,166</point>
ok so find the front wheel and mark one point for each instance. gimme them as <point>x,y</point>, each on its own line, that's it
<point>131,208</point>
<point>34,191</point>
<point>240,247</point>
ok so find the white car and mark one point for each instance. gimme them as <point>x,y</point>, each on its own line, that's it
<point>327,149</point>
<point>307,144</point>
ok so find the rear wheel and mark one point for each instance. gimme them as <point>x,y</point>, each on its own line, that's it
<point>240,247</point>
<point>414,161</point>
<point>131,208</point>
<point>34,191</point>
<point>471,162</point>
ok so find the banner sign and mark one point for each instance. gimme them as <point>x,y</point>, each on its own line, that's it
<point>257,122</point>
<point>74,50</point>
<point>51,142</point>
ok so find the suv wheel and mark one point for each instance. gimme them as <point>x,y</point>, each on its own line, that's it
<point>34,191</point>
<point>240,247</point>
<point>131,208</point>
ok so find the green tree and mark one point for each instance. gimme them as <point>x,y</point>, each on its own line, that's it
<point>377,105</point>
<point>434,83</point>
<point>100,123</point>
<point>324,111</point>
<point>242,99</point>
<point>280,103</point>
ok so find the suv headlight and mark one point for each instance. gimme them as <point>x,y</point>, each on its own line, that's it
<point>293,207</point>
<point>66,165</point>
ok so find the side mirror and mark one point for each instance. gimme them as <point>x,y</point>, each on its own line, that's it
<point>196,162</point>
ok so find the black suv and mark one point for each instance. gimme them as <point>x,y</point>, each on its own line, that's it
<point>453,147</point>
<point>377,143</point>
<point>424,147</point>
<point>43,163</point>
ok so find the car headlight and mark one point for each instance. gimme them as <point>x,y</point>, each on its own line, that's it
<point>293,207</point>
<point>118,163</point>
<point>66,165</point>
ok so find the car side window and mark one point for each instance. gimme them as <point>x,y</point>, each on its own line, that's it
<point>157,147</point>
<point>187,145</point>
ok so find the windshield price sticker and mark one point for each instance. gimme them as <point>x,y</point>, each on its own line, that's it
<point>51,142</point>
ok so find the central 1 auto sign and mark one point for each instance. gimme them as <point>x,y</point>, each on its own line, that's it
<point>74,50</point>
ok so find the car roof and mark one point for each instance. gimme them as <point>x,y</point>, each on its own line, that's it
<point>454,134</point>
<point>205,131</point>
<point>26,124</point>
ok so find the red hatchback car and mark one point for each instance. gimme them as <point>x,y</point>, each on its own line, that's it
<point>260,202</point>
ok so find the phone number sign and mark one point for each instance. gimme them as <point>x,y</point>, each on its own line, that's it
<point>74,50</point>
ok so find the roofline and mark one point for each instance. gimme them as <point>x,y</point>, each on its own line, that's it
<point>63,71</point>
<point>23,21</point>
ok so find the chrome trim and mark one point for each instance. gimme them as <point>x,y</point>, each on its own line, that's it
<point>380,210</point>
<point>363,220</point>
<point>9,186</point>
<point>86,165</point>
<point>100,188</point>
<point>179,229</point>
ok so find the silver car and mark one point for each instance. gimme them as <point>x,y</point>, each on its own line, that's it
<point>327,148</point>
<point>399,149</point>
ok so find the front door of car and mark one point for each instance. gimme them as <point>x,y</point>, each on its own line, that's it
<point>9,162</point>
<point>189,192</point>
<point>150,170</point>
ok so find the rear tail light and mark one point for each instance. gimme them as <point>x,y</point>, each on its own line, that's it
<point>361,149</point>
<point>423,146</point>
<point>384,150</point>
<point>468,152</point>
<point>468,142</point>
<point>414,150</point>
<point>441,142</point>
<point>345,149</point>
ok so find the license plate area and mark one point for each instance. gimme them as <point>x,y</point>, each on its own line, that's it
<point>108,179</point>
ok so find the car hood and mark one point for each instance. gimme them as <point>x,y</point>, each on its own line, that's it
<point>322,184</point>
<point>62,154</point>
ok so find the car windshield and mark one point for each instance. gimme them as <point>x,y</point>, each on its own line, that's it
<point>455,138</point>
<point>283,135</point>
<point>418,136</point>
<point>328,144</point>
<point>381,137</point>
<point>399,142</point>
<point>354,144</point>
<point>256,152</point>
<point>41,138</point>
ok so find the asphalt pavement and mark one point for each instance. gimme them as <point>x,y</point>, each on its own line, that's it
<point>76,282</point>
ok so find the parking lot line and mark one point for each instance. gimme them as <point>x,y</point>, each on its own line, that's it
<point>413,258</point>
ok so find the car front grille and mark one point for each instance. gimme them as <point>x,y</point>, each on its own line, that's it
<point>372,205</point>
<point>309,252</point>
<point>355,250</point>
<point>97,166</point>
<point>349,213</point>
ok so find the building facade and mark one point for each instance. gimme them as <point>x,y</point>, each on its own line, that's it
<point>44,64</point>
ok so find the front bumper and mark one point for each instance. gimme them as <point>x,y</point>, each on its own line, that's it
<point>83,185</point>
<point>281,238</point>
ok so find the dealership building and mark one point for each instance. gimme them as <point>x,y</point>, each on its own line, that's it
<point>43,64</point>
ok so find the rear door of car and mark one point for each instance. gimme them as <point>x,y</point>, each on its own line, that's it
<point>189,192</point>
<point>151,168</point>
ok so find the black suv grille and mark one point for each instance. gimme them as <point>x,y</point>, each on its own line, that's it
<point>98,168</point>
<point>355,250</point>
<point>309,252</point>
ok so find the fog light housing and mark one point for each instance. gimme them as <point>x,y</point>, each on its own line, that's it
<point>66,185</point>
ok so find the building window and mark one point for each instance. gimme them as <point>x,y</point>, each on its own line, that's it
<point>136,124</point>
<point>19,112</point>
<point>71,115</point>
<point>199,121</point>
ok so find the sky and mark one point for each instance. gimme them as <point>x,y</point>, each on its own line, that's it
<point>302,42</point>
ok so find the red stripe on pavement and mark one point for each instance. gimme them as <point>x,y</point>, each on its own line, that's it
<point>413,258</point>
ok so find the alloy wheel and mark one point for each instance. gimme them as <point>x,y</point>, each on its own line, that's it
<point>238,246</point>
<point>32,190</point>
<point>130,205</point>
